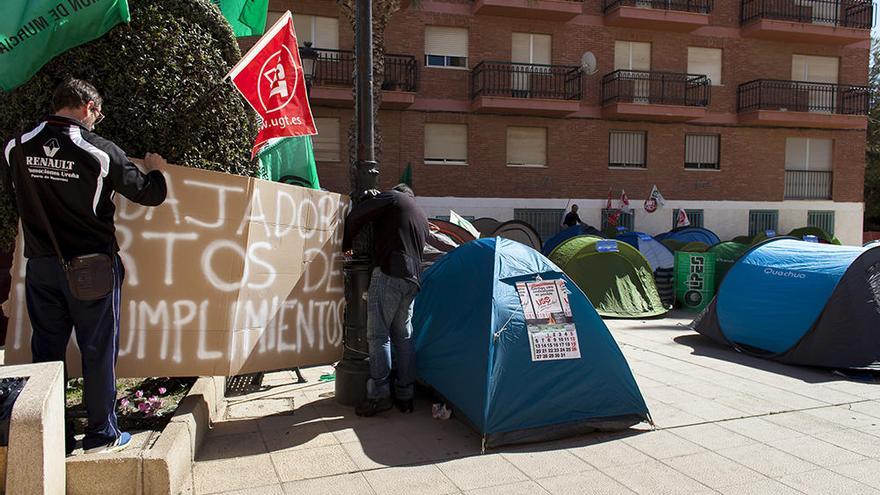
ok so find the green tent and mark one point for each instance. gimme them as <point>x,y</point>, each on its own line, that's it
<point>614,275</point>
<point>823,236</point>
<point>726,254</point>
<point>672,244</point>
<point>742,239</point>
<point>694,247</point>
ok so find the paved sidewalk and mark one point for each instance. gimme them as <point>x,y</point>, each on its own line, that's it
<point>726,423</point>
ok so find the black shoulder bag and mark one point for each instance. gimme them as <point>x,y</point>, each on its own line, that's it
<point>90,276</point>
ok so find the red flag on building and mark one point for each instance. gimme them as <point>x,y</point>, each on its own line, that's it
<point>270,77</point>
<point>682,220</point>
<point>624,201</point>
<point>608,205</point>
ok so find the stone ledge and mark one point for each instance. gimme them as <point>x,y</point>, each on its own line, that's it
<point>165,462</point>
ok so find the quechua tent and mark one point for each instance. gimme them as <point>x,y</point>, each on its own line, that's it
<point>477,350</point>
<point>616,278</point>
<point>801,303</point>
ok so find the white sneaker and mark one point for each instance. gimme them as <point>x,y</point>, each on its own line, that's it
<point>121,442</point>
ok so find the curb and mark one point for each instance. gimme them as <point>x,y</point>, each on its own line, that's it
<point>164,466</point>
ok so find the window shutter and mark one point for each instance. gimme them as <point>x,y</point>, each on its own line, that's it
<point>520,48</point>
<point>814,69</point>
<point>527,146</point>
<point>302,24</point>
<point>627,149</point>
<point>796,153</point>
<point>541,49</point>
<point>632,55</point>
<point>705,61</point>
<point>327,143</point>
<point>446,142</point>
<point>326,33</point>
<point>446,41</point>
<point>820,151</point>
<point>701,149</point>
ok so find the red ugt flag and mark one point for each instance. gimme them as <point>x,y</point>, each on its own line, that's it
<point>682,220</point>
<point>270,77</point>
<point>624,200</point>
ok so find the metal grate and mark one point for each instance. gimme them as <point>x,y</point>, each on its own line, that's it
<point>808,184</point>
<point>627,219</point>
<point>762,221</point>
<point>858,14</point>
<point>822,219</point>
<point>545,220</point>
<point>654,87</point>
<point>802,96</point>
<point>244,384</point>
<point>516,80</point>
<point>694,216</point>
<point>698,6</point>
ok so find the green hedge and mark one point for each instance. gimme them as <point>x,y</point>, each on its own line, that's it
<point>155,75</point>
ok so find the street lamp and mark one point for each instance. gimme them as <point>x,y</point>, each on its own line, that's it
<point>309,57</point>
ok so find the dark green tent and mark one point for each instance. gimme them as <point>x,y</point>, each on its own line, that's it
<point>614,275</point>
<point>726,254</point>
<point>823,236</point>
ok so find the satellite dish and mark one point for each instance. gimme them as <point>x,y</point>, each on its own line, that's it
<point>589,65</point>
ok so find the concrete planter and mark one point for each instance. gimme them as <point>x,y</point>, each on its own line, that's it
<point>161,466</point>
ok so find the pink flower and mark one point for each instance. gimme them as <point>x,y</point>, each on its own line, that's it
<point>139,394</point>
<point>162,390</point>
<point>154,399</point>
<point>124,403</point>
<point>143,407</point>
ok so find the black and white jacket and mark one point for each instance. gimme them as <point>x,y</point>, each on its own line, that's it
<point>75,172</point>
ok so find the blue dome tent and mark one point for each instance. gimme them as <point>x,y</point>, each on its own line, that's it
<point>567,234</point>
<point>690,234</point>
<point>800,303</point>
<point>660,258</point>
<point>475,349</point>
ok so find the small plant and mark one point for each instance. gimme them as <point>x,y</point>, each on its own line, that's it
<point>150,405</point>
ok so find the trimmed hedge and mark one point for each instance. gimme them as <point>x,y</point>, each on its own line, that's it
<point>158,76</point>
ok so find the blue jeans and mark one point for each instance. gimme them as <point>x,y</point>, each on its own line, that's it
<point>389,329</point>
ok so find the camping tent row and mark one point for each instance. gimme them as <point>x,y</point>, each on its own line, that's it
<point>478,351</point>
<point>444,236</point>
<point>800,303</point>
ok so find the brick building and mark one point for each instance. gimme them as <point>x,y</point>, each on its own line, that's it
<point>749,114</point>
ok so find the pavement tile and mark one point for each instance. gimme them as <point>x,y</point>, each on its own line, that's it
<point>296,436</point>
<point>760,429</point>
<point>609,454</point>
<point>867,472</point>
<point>418,480</point>
<point>521,488</point>
<point>585,483</point>
<point>236,473</point>
<point>712,436</point>
<point>258,408</point>
<point>854,440</point>
<point>766,487</point>
<point>666,416</point>
<point>871,408</point>
<point>343,484</point>
<point>817,451</point>
<point>824,482</point>
<point>713,470</point>
<point>374,454</point>
<point>767,460</point>
<point>257,490</point>
<point>537,465</point>
<point>293,465</point>
<point>481,471</point>
<point>231,446</point>
<point>445,445</point>
<point>663,444</point>
<point>236,427</point>
<point>655,478</point>
<point>710,410</point>
<point>844,416</point>
<point>750,404</point>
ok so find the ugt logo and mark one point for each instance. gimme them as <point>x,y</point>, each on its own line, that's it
<point>278,79</point>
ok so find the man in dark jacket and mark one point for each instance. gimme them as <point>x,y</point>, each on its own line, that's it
<point>71,173</point>
<point>400,228</point>
<point>572,218</point>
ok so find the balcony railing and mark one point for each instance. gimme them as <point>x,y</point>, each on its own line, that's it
<point>800,96</point>
<point>514,80</point>
<point>336,68</point>
<point>808,184</point>
<point>697,6</point>
<point>858,14</point>
<point>658,88</point>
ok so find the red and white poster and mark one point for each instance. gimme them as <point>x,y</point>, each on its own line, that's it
<point>270,77</point>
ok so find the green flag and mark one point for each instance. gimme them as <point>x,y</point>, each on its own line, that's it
<point>289,160</point>
<point>33,32</point>
<point>406,176</point>
<point>247,17</point>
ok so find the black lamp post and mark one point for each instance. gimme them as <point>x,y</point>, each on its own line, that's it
<point>309,58</point>
<point>353,371</point>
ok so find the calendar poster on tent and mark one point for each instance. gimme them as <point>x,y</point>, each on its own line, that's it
<point>551,327</point>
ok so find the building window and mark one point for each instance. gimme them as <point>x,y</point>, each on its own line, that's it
<point>705,61</point>
<point>626,219</point>
<point>761,221</point>
<point>528,48</point>
<point>446,144</point>
<point>822,219</point>
<point>808,154</point>
<point>632,55</point>
<point>701,151</point>
<point>322,32</point>
<point>695,217</point>
<point>627,149</point>
<point>526,147</point>
<point>446,47</point>
<point>546,221</point>
<point>327,143</point>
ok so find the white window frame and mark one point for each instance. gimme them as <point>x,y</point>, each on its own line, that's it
<point>447,59</point>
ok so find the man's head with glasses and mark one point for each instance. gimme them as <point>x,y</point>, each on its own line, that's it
<point>78,100</point>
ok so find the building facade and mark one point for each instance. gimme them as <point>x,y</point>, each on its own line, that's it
<point>749,114</point>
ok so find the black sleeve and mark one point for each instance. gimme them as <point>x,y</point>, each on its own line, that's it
<point>127,179</point>
<point>6,187</point>
<point>362,214</point>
